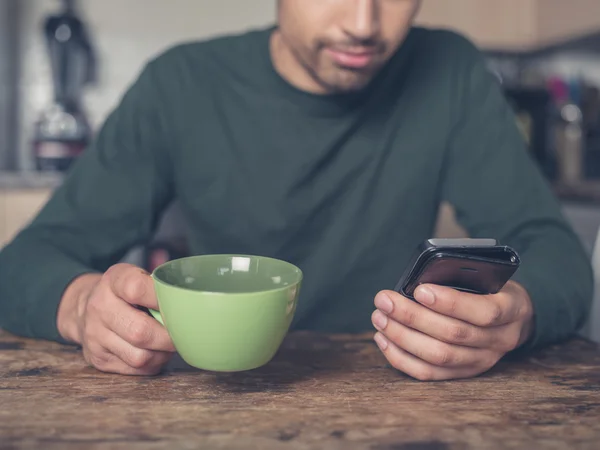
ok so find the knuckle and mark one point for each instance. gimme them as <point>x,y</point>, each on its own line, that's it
<point>424,374</point>
<point>398,335</point>
<point>442,356</point>
<point>453,303</point>
<point>108,274</point>
<point>133,286</point>
<point>97,360</point>
<point>493,316</point>
<point>93,306</point>
<point>458,333</point>
<point>114,271</point>
<point>139,359</point>
<point>138,336</point>
<point>126,279</point>
<point>407,316</point>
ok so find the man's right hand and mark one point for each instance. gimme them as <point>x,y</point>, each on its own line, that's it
<point>99,313</point>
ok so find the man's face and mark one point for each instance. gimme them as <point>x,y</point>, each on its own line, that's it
<point>341,44</point>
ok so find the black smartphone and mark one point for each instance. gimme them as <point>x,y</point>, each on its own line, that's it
<point>479,266</point>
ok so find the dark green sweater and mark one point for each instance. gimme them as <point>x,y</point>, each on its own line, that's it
<point>344,186</point>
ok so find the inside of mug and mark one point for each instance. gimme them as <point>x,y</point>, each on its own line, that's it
<point>228,274</point>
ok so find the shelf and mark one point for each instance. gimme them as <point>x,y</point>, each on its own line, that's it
<point>29,180</point>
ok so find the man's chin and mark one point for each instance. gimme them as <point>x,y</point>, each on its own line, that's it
<point>339,86</point>
<point>346,81</point>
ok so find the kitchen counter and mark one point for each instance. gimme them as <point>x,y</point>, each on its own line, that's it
<point>29,180</point>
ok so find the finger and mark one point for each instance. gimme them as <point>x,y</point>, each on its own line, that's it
<point>479,310</point>
<point>105,361</point>
<point>417,368</point>
<point>133,285</point>
<point>136,327</point>
<point>434,324</point>
<point>147,361</point>
<point>431,350</point>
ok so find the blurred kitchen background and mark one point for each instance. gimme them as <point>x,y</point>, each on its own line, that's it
<point>65,64</point>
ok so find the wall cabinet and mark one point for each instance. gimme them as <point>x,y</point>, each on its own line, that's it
<point>513,24</point>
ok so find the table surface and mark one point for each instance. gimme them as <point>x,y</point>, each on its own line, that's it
<point>320,391</point>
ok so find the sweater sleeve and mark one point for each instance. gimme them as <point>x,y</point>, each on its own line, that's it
<point>110,200</point>
<point>498,191</point>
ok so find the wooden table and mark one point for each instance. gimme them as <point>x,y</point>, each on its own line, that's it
<point>332,392</point>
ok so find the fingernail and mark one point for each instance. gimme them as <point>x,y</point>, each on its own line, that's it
<point>381,341</point>
<point>384,303</point>
<point>380,320</point>
<point>425,295</point>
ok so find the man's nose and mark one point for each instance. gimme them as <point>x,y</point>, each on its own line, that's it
<point>362,20</point>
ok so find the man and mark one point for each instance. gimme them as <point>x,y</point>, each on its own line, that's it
<point>328,141</point>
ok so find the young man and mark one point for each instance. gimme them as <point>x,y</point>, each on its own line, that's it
<point>328,141</point>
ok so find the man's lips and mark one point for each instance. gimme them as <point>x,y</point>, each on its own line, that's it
<point>355,59</point>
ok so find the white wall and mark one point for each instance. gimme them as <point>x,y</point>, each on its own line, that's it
<point>126,33</point>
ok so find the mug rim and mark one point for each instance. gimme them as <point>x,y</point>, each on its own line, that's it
<point>229,294</point>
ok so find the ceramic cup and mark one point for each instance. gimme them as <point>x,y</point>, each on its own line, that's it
<point>226,313</point>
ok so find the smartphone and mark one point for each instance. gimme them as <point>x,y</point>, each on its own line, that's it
<point>478,266</point>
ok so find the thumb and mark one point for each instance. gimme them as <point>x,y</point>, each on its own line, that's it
<point>133,285</point>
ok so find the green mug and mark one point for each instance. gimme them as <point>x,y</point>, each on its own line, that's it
<point>226,313</point>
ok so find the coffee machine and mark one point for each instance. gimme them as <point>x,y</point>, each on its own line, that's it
<point>62,131</point>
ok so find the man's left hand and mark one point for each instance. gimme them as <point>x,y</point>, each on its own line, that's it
<point>450,334</point>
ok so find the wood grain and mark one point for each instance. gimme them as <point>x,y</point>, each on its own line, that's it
<point>320,391</point>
